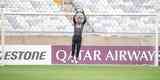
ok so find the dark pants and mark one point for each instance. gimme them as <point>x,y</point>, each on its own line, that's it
<point>159,58</point>
<point>76,45</point>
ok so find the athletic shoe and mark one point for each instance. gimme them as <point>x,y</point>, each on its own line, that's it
<point>72,61</point>
<point>64,62</point>
<point>76,61</point>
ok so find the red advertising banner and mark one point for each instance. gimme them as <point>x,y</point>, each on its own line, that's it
<point>105,55</point>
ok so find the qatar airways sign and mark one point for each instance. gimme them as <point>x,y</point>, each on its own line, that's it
<point>106,54</point>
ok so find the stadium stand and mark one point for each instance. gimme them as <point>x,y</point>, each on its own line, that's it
<point>103,25</point>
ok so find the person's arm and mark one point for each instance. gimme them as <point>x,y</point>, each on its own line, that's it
<point>85,19</point>
<point>74,21</point>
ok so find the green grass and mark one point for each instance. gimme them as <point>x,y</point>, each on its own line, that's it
<point>78,72</point>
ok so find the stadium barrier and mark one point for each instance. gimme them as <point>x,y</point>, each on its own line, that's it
<point>59,54</point>
<point>26,55</point>
<point>159,55</point>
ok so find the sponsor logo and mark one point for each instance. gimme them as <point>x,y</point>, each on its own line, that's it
<point>106,54</point>
<point>19,54</point>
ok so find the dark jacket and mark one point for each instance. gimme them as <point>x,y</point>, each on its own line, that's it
<point>78,31</point>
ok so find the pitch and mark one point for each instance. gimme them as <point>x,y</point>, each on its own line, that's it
<point>78,72</point>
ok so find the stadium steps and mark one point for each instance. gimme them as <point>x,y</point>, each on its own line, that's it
<point>68,8</point>
<point>87,40</point>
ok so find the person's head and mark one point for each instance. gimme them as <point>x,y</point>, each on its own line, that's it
<point>79,16</point>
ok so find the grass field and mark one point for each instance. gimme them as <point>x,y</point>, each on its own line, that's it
<point>78,72</point>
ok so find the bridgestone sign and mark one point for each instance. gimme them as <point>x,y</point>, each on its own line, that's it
<point>19,54</point>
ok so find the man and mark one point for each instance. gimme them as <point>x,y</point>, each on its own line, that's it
<point>79,20</point>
